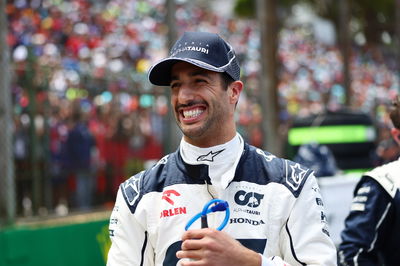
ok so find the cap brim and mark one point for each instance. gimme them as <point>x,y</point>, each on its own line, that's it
<point>160,73</point>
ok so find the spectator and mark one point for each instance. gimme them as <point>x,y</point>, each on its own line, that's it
<point>79,148</point>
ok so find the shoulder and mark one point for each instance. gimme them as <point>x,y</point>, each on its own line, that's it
<point>134,188</point>
<point>270,168</point>
<point>387,176</point>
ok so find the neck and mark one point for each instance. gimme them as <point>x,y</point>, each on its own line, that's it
<point>193,154</point>
<point>222,159</point>
<point>213,140</point>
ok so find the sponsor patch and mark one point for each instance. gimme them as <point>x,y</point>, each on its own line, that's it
<point>295,175</point>
<point>357,207</point>
<point>247,211</point>
<point>319,201</point>
<point>167,195</point>
<point>360,199</point>
<point>364,190</point>
<point>246,221</point>
<point>325,231</point>
<point>163,160</point>
<point>131,189</point>
<point>268,158</point>
<point>191,47</point>
<point>209,157</point>
<point>173,212</point>
<point>249,199</point>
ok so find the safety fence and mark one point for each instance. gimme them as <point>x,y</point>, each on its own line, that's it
<point>79,240</point>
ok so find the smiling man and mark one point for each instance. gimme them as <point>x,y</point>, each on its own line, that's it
<point>277,215</point>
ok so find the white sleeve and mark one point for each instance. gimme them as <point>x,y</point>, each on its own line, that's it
<point>306,239</point>
<point>273,261</point>
<point>129,240</point>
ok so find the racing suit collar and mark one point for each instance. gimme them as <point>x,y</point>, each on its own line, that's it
<point>221,160</point>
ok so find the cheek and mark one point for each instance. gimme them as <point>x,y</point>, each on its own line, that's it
<point>173,100</point>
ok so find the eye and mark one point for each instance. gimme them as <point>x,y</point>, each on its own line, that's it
<point>174,85</point>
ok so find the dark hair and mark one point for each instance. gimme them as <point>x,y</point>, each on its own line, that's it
<point>395,113</point>
<point>226,80</point>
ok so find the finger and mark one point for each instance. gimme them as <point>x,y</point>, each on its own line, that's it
<point>187,262</point>
<point>192,244</point>
<point>189,254</point>
<point>196,233</point>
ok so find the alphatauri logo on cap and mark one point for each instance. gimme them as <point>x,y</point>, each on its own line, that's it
<point>192,46</point>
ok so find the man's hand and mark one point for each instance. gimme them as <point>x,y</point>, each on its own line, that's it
<point>209,247</point>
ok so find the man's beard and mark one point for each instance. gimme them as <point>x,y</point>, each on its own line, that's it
<point>209,126</point>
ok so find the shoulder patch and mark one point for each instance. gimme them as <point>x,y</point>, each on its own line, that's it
<point>163,160</point>
<point>131,189</point>
<point>295,174</point>
<point>267,157</point>
<point>385,175</point>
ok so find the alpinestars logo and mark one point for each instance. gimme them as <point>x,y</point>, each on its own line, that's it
<point>249,199</point>
<point>295,175</point>
<point>209,156</point>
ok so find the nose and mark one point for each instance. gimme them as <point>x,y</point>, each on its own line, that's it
<point>185,94</point>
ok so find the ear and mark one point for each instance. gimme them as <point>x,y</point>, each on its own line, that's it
<point>396,134</point>
<point>234,90</point>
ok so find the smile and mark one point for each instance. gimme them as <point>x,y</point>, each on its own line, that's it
<point>192,113</point>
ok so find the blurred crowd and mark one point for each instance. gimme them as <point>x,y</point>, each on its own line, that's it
<point>79,75</point>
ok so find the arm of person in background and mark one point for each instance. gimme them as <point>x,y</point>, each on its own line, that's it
<point>304,239</point>
<point>366,225</point>
<point>130,245</point>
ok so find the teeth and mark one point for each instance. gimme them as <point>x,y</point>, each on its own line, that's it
<point>192,113</point>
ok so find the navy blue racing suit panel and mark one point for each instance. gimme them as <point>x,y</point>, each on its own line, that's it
<point>369,226</point>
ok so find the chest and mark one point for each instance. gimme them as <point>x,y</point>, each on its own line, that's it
<point>256,212</point>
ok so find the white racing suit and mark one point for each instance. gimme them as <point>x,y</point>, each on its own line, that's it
<point>275,204</point>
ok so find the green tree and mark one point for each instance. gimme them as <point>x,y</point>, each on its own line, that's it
<point>369,17</point>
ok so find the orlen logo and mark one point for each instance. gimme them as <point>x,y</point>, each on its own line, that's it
<point>174,211</point>
<point>167,194</point>
<point>250,199</point>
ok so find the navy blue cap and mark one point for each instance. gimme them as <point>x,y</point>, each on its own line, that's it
<point>202,49</point>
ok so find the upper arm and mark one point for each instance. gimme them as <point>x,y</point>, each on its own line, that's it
<point>130,244</point>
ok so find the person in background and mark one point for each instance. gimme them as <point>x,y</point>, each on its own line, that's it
<point>277,214</point>
<point>79,148</point>
<point>371,235</point>
<point>386,151</point>
<point>59,177</point>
